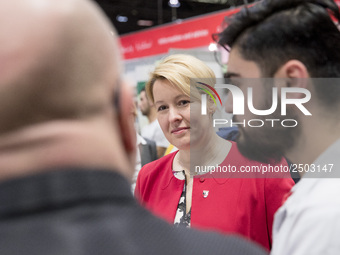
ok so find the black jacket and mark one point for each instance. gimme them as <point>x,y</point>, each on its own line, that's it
<point>80,212</point>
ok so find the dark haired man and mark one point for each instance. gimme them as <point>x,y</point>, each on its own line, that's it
<point>295,44</point>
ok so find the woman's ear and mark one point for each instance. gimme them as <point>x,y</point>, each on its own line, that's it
<point>211,106</point>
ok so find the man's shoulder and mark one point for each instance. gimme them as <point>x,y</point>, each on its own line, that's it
<point>151,235</point>
<point>322,191</point>
<point>107,221</point>
<point>313,201</point>
<point>158,237</point>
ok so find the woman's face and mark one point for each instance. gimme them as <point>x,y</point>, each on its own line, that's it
<point>173,113</point>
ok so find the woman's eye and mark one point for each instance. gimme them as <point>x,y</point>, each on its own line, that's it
<point>161,108</point>
<point>183,102</point>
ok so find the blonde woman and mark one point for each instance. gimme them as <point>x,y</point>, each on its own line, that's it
<point>230,205</point>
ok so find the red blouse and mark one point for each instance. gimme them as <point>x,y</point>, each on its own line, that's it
<point>244,206</point>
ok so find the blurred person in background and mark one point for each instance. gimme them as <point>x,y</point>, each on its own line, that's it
<point>146,151</point>
<point>296,43</point>
<point>152,131</point>
<point>170,188</point>
<point>67,141</point>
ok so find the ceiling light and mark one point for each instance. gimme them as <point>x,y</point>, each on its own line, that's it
<point>174,3</point>
<point>213,47</point>
<point>120,18</point>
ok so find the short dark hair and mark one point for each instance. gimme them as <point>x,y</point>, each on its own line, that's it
<point>272,32</point>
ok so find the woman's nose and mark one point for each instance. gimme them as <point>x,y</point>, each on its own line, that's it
<point>174,114</point>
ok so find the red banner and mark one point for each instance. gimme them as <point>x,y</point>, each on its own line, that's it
<point>192,33</point>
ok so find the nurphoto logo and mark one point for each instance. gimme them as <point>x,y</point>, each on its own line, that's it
<point>240,100</point>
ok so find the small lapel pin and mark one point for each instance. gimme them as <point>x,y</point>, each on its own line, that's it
<point>205,193</point>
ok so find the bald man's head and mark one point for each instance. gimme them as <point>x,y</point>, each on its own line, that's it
<point>59,59</point>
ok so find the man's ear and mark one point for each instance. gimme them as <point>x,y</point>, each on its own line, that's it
<point>126,119</point>
<point>293,74</point>
<point>292,69</point>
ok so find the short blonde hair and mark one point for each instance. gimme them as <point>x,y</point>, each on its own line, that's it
<point>178,69</point>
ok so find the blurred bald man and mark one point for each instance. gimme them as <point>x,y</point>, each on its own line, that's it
<point>66,150</point>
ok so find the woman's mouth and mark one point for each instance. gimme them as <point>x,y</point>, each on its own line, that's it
<point>179,130</point>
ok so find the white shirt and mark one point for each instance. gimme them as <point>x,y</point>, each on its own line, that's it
<point>154,132</point>
<point>138,166</point>
<point>309,221</point>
